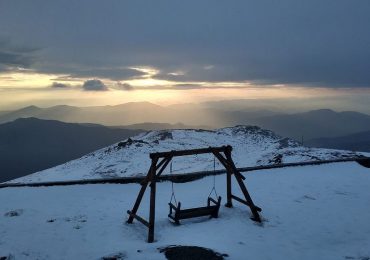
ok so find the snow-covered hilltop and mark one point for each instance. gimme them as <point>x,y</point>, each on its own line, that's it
<point>251,146</point>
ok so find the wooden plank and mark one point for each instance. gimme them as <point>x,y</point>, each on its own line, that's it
<point>229,172</point>
<point>188,210</point>
<point>168,160</point>
<point>137,217</point>
<point>197,212</point>
<point>183,177</point>
<point>248,199</point>
<point>221,159</point>
<point>229,202</point>
<point>152,204</point>
<point>245,202</point>
<point>215,202</point>
<point>138,201</point>
<point>190,152</point>
<point>172,206</point>
<point>142,191</point>
<point>238,177</point>
<point>161,162</point>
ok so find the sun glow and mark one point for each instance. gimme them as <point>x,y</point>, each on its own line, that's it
<point>24,87</point>
<point>27,79</point>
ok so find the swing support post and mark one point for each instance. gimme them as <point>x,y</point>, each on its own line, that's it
<point>222,153</point>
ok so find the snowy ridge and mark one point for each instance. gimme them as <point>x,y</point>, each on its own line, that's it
<point>251,146</point>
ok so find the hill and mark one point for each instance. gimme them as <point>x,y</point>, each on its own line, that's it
<point>316,124</point>
<point>354,142</point>
<point>251,146</point>
<point>29,144</point>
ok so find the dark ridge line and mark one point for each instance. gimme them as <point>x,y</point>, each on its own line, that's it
<point>184,177</point>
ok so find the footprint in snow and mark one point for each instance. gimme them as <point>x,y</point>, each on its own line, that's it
<point>308,197</point>
<point>14,213</point>
<point>305,197</point>
<point>338,192</point>
<point>114,256</point>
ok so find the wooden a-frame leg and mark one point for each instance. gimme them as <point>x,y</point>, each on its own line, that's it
<point>141,192</point>
<point>152,211</point>
<point>137,202</point>
<point>238,177</point>
<point>229,203</point>
<point>229,172</point>
<point>256,216</point>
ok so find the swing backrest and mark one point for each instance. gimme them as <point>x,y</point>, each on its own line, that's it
<point>212,208</point>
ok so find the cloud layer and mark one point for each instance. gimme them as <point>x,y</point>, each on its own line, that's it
<point>311,43</point>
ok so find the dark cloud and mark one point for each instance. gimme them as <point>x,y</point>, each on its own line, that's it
<point>58,85</point>
<point>124,86</point>
<point>14,59</point>
<point>314,43</point>
<point>13,56</point>
<point>79,71</point>
<point>94,85</point>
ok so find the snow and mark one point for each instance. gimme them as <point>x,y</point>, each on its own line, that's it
<point>310,212</point>
<point>251,146</point>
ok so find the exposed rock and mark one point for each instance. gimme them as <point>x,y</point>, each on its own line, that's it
<point>175,252</point>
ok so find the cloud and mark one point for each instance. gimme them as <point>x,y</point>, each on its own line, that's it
<point>58,85</point>
<point>14,57</point>
<point>315,43</point>
<point>124,86</point>
<point>95,71</point>
<point>94,85</point>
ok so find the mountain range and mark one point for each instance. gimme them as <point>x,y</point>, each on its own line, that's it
<point>320,123</point>
<point>354,142</point>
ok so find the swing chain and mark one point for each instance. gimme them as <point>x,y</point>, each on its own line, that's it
<point>214,179</point>
<point>173,196</point>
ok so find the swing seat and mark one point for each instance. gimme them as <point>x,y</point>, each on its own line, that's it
<point>212,208</point>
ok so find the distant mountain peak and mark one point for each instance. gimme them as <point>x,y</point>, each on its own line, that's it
<point>31,107</point>
<point>322,110</point>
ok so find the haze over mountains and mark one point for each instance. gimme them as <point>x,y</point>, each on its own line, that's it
<point>309,125</point>
<point>353,142</point>
<point>40,142</point>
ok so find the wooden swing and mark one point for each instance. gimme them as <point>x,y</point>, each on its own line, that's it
<point>223,155</point>
<point>213,204</point>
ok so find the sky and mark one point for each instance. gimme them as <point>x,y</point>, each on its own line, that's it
<point>109,52</point>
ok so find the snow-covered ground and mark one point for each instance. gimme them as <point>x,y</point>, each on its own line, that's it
<point>311,212</point>
<point>251,146</point>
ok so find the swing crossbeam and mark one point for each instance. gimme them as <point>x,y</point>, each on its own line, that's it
<point>223,154</point>
<point>176,153</point>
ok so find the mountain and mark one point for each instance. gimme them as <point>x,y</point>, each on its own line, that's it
<point>29,144</point>
<point>134,112</point>
<point>354,142</point>
<point>251,146</point>
<point>139,112</point>
<point>161,126</point>
<point>316,124</point>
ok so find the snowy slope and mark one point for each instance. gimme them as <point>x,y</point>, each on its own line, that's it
<point>252,146</point>
<point>311,212</point>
